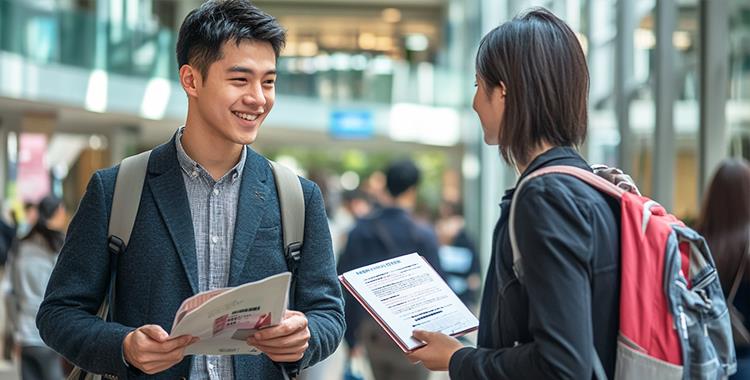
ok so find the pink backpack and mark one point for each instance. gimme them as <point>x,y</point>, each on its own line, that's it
<point>674,322</point>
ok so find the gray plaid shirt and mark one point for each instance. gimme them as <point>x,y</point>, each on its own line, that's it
<point>213,206</point>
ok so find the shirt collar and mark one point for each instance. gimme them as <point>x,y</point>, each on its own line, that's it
<point>192,168</point>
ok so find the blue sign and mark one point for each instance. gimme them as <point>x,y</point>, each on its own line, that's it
<point>352,124</point>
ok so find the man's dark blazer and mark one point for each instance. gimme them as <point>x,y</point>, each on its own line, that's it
<point>159,270</point>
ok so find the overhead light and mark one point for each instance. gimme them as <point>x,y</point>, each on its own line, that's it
<point>307,49</point>
<point>384,43</point>
<point>349,180</point>
<point>681,40</point>
<point>644,39</point>
<point>391,15</point>
<point>417,42</point>
<point>96,91</point>
<point>367,41</point>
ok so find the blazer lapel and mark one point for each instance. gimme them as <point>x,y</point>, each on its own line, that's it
<point>253,202</point>
<point>168,189</point>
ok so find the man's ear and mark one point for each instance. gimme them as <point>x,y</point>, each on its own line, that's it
<point>189,79</point>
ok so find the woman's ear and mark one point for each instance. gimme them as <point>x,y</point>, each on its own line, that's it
<point>503,90</point>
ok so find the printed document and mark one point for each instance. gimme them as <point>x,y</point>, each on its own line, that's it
<point>224,318</point>
<point>404,294</point>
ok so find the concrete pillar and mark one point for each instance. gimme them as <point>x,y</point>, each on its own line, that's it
<point>123,142</point>
<point>624,48</point>
<point>714,78</point>
<point>664,94</point>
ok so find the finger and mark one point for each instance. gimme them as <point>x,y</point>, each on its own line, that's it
<point>155,332</point>
<point>290,340</point>
<point>163,360</point>
<point>288,350</point>
<point>424,336</point>
<point>287,327</point>
<point>285,358</point>
<point>175,344</point>
<point>412,358</point>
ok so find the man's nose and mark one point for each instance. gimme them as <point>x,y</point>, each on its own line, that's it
<point>254,96</point>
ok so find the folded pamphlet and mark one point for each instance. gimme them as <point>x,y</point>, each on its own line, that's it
<point>223,319</point>
<point>404,294</point>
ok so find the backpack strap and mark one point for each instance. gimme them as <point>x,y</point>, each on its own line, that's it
<point>292,206</point>
<point>590,178</point>
<point>738,277</point>
<point>125,202</point>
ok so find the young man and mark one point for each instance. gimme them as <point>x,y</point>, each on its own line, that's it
<point>208,218</point>
<point>386,233</point>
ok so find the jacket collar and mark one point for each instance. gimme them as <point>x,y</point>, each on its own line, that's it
<point>560,155</point>
<point>168,189</point>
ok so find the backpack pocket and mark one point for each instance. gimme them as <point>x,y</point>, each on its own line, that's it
<point>702,315</point>
<point>633,364</point>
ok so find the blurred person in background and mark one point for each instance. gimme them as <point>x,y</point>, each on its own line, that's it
<point>9,235</point>
<point>387,232</point>
<point>357,204</point>
<point>31,269</point>
<point>30,216</point>
<point>725,223</point>
<point>458,256</point>
<point>531,99</point>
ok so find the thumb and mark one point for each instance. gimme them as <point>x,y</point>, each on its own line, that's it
<point>424,336</point>
<point>155,332</point>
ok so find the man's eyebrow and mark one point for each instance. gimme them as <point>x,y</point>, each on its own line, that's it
<point>247,70</point>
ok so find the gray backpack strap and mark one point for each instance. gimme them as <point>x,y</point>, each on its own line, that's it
<point>292,204</point>
<point>126,199</point>
<point>125,202</point>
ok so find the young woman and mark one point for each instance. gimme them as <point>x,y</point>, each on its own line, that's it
<point>37,254</point>
<point>531,98</point>
<point>725,223</point>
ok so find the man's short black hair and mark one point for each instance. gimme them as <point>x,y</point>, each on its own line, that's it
<point>206,28</point>
<point>400,176</point>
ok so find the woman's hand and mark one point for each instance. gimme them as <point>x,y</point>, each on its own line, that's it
<point>436,355</point>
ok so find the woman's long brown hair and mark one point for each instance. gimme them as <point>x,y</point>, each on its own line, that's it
<point>725,218</point>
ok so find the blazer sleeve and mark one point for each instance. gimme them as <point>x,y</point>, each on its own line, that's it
<point>554,236</point>
<point>318,293</point>
<point>67,318</point>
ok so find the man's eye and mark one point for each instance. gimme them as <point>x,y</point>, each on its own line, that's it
<point>270,81</point>
<point>239,80</point>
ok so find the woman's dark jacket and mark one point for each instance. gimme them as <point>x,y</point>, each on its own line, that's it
<point>568,235</point>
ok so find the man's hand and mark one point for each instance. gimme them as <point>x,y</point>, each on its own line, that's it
<point>285,342</point>
<point>150,349</point>
<point>436,355</point>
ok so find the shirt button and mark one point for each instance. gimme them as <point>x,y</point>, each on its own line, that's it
<point>194,173</point>
<point>216,191</point>
<point>215,239</point>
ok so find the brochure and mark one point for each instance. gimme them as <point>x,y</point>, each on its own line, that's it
<point>404,294</point>
<point>224,318</point>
